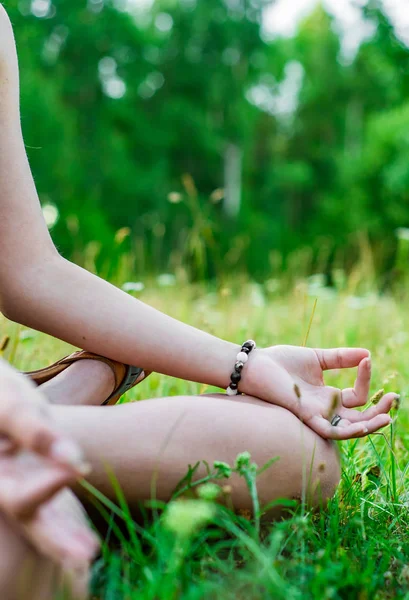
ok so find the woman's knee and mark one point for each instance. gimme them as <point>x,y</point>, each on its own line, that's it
<point>310,466</point>
<point>306,467</point>
<point>325,474</point>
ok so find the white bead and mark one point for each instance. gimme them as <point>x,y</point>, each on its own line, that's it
<point>231,392</point>
<point>242,357</point>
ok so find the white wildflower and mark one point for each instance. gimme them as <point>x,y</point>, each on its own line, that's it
<point>133,286</point>
<point>174,197</point>
<point>361,302</point>
<point>50,214</point>
<point>166,280</point>
<point>402,233</point>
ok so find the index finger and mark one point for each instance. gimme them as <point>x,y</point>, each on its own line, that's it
<point>341,358</point>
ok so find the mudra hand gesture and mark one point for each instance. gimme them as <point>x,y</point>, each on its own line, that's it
<point>293,377</point>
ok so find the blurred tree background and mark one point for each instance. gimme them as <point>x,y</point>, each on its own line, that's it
<point>183,136</point>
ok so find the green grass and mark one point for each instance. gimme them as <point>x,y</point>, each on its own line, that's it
<point>357,548</point>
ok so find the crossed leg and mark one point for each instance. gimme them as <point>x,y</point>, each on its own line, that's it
<point>158,439</point>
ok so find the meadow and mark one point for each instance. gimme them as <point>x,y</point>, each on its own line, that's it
<point>356,548</point>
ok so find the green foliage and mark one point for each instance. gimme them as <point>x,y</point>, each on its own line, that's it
<point>119,106</point>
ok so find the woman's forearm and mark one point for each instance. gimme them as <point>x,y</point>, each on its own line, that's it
<point>70,303</point>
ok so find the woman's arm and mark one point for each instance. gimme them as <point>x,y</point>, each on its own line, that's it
<point>72,304</point>
<point>42,290</point>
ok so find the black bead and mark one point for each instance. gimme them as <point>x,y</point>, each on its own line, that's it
<point>246,349</point>
<point>235,377</point>
<point>233,386</point>
<point>250,344</point>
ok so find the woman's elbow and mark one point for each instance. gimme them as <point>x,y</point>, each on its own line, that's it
<point>19,290</point>
<point>11,303</point>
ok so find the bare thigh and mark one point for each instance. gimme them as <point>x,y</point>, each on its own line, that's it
<point>154,441</point>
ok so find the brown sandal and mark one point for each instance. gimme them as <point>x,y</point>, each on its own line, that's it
<point>126,376</point>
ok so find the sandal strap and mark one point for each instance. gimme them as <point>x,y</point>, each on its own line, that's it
<point>126,376</point>
<point>131,376</point>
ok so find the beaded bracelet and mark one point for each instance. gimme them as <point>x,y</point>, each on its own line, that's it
<point>241,359</point>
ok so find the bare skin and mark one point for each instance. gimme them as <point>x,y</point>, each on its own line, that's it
<point>164,435</point>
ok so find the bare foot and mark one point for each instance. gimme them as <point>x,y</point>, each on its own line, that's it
<point>86,382</point>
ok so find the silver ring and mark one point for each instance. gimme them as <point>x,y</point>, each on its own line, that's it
<point>335,420</point>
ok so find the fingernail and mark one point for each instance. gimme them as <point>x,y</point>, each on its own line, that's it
<point>68,452</point>
<point>365,430</point>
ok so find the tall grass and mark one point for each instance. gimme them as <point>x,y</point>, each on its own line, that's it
<point>356,548</point>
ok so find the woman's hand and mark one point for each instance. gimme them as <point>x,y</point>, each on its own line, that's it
<point>292,377</point>
<point>37,463</point>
